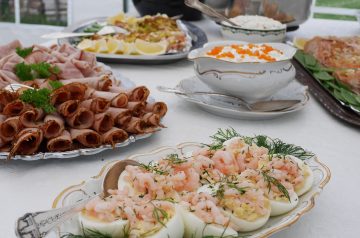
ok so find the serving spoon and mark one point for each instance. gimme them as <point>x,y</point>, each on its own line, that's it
<point>260,106</point>
<point>39,224</point>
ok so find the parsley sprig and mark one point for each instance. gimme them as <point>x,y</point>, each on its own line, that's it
<point>28,72</point>
<point>23,52</point>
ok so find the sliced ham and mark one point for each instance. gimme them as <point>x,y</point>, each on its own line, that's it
<point>137,108</point>
<point>86,137</point>
<point>8,77</point>
<point>121,116</point>
<point>38,56</point>
<point>31,117</point>
<point>60,143</point>
<point>103,122</point>
<point>102,83</point>
<point>96,105</point>
<point>152,119</point>
<point>81,119</point>
<point>114,136</point>
<point>9,48</point>
<point>15,108</point>
<point>135,126</point>
<point>140,93</point>
<point>27,142</point>
<point>71,91</point>
<point>68,70</point>
<point>6,97</point>
<point>157,107</point>
<point>117,99</point>
<point>68,108</point>
<point>9,62</point>
<point>9,128</point>
<point>59,96</point>
<point>53,126</point>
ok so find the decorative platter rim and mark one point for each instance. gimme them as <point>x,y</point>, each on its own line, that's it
<point>288,219</point>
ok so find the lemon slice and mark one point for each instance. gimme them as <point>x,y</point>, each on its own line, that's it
<point>101,46</point>
<point>87,45</point>
<point>150,48</point>
<point>129,48</point>
<point>115,46</point>
<point>300,42</point>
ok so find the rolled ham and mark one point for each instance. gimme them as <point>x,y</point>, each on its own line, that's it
<point>137,108</point>
<point>157,107</point>
<point>53,126</point>
<point>151,119</point>
<point>116,99</point>
<point>31,117</point>
<point>121,116</point>
<point>135,126</point>
<point>9,128</point>
<point>96,105</point>
<point>60,143</point>
<point>114,136</point>
<point>15,108</point>
<point>102,83</point>
<point>6,97</point>
<point>81,119</point>
<point>86,137</point>
<point>140,93</point>
<point>68,108</point>
<point>27,142</point>
<point>103,122</point>
<point>71,91</point>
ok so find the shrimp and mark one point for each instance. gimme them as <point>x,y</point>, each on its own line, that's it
<point>188,180</point>
<point>225,162</point>
<point>248,157</point>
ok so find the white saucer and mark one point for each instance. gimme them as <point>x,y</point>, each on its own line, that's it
<point>230,108</point>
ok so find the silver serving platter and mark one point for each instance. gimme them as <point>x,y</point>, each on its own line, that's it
<point>127,84</point>
<point>196,38</point>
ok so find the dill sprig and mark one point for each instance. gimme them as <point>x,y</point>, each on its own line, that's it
<point>273,181</point>
<point>40,98</point>
<point>174,159</point>
<point>151,167</point>
<point>23,52</point>
<point>160,215</point>
<point>274,146</point>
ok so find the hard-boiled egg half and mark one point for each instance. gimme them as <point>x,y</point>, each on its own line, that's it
<point>305,185</point>
<point>281,205</point>
<point>124,184</point>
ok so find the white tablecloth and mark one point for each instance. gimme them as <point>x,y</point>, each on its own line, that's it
<point>32,186</point>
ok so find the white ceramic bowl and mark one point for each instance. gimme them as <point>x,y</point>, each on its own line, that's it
<point>252,35</point>
<point>248,80</point>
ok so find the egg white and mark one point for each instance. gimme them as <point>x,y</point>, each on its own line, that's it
<point>123,184</point>
<point>308,179</point>
<point>197,228</point>
<point>282,207</point>
<point>114,229</point>
<point>174,227</point>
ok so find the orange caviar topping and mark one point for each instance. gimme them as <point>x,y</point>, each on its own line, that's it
<point>216,50</point>
<point>226,55</point>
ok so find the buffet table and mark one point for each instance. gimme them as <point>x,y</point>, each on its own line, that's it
<point>32,186</point>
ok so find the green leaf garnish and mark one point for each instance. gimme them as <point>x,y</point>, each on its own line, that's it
<point>174,159</point>
<point>27,72</point>
<point>160,215</point>
<point>153,168</point>
<point>23,52</point>
<point>273,181</point>
<point>55,84</point>
<point>221,136</point>
<point>40,98</point>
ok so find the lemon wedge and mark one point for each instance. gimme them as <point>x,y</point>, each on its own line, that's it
<point>151,48</point>
<point>115,46</point>
<point>129,48</point>
<point>87,45</point>
<point>300,42</point>
<point>101,46</point>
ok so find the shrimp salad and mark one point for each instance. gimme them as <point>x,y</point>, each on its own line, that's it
<point>218,192</point>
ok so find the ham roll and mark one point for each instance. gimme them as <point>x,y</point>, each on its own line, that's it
<point>103,122</point>
<point>15,108</point>
<point>135,126</point>
<point>53,126</point>
<point>27,142</point>
<point>96,105</point>
<point>137,108</point>
<point>157,107</point>
<point>102,83</point>
<point>137,94</point>
<point>68,108</point>
<point>116,99</point>
<point>81,119</point>
<point>114,136</point>
<point>60,143</point>
<point>86,137</point>
<point>6,97</point>
<point>152,119</point>
<point>71,91</point>
<point>31,117</point>
<point>121,116</point>
<point>9,128</point>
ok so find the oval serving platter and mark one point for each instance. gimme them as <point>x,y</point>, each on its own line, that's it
<point>92,186</point>
<point>127,84</point>
<point>198,39</point>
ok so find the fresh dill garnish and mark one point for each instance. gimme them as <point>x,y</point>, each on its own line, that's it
<point>274,146</point>
<point>240,190</point>
<point>23,52</point>
<point>27,72</point>
<point>151,167</point>
<point>55,84</point>
<point>40,98</point>
<point>273,181</point>
<point>160,215</point>
<point>220,190</point>
<point>174,159</point>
